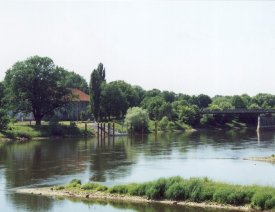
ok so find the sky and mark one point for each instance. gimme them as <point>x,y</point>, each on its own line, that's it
<point>191,47</point>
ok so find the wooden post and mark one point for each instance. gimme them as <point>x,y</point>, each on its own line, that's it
<point>101,130</point>
<point>97,129</point>
<point>85,128</point>
<point>113,132</point>
<point>109,131</point>
<point>104,131</point>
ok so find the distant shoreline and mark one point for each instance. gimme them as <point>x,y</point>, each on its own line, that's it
<point>270,159</point>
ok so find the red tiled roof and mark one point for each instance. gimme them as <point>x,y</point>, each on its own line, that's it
<point>80,95</point>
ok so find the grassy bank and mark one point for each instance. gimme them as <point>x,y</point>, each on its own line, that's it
<point>198,190</point>
<point>23,130</point>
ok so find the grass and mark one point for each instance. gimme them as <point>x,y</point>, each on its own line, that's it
<point>193,189</point>
<point>27,131</point>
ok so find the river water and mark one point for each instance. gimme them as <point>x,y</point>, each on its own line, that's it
<point>214,154</point>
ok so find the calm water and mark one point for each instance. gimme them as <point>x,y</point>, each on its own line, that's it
<point>215,154</point>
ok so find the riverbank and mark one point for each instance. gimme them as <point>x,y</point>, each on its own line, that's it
<point>270,159</point>
<point>196,192</point>
<point>24,131</point>
<point>51,192</point>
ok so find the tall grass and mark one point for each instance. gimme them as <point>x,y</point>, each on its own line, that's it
<point>196,190</point>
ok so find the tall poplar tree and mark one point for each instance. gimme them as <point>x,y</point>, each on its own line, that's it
<point>96,82</point>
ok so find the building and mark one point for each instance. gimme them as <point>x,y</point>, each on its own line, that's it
<point>77,109</point>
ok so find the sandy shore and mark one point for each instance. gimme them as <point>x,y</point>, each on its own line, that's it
<point>50,191</point>
<point>269,159</point>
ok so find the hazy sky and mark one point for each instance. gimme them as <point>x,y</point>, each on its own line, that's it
<point>193,47</point>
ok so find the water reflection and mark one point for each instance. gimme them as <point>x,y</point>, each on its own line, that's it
<point>216,154</point>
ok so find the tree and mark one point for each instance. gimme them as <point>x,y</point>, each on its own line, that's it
<point>238,102</point>
<point>154,106</point>
<point>4,119</point>
<point>96,82</point>
<point>2,94</point>
<point>169,96</point>
<point>113,101</point>
<point>203,101</point>
<point>189,114</point>
<point>128,91</point>
<point>34,85</point>
<point>72,80</point>
<point>138,118</point>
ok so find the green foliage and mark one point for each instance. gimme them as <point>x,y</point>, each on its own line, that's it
<point>59,188</point>
<point>4,120</point>
<point>113,101</point>
<point>96,82</point>
<point>119,189</point>
<point>75,183</point>
<point>203,101</point>
<point>35,85</point>
<point>2,94</point>
<point>156,189</point>
<point>94,186</point>
<point>138,118</point>
<point>188,114</point>
<point>261,200</point>
<point>163,123</point>
<point>171,125</point>
<point>71,79</point>
<point>238,102</point>
<point>193,189</point>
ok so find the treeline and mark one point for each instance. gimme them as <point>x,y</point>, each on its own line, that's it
<point>112,100</point>
<point>39,86</point>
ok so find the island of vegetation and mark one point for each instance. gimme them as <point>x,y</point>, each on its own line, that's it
<point>270,159</point>
<point>200,192</point>
<point>37,89</point>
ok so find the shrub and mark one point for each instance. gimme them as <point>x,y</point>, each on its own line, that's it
<point>94,186</point>
<point>163,123</point>
<point>259,199</point>
<point>74,183</point>
<point>222,193</point>
<point>138,118</point>
<point>270,203</point>
<point>120,189</point>
<point>176,191</point>
<point>171,125</point>
<point>137,189</point>
<point>156,189</point>
<point>4,120</point>
<point>239,197</point>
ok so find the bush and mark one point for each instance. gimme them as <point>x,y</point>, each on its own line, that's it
<point>239,197</point>
<point>222,193</point>
<point>119,189</point>
<point>270,203</point>
<point>138,118</point>
<point>4,120</point>
<point>74,183</point>
<point>171,125</point>
<point>137,189</point>
<point>260,199</point>
<point>94,186</point>
<point>176,191</point>
<point>163,123</point>
<point>156,189</point>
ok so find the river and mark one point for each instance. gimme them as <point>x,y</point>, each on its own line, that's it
<point>214,154</point>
